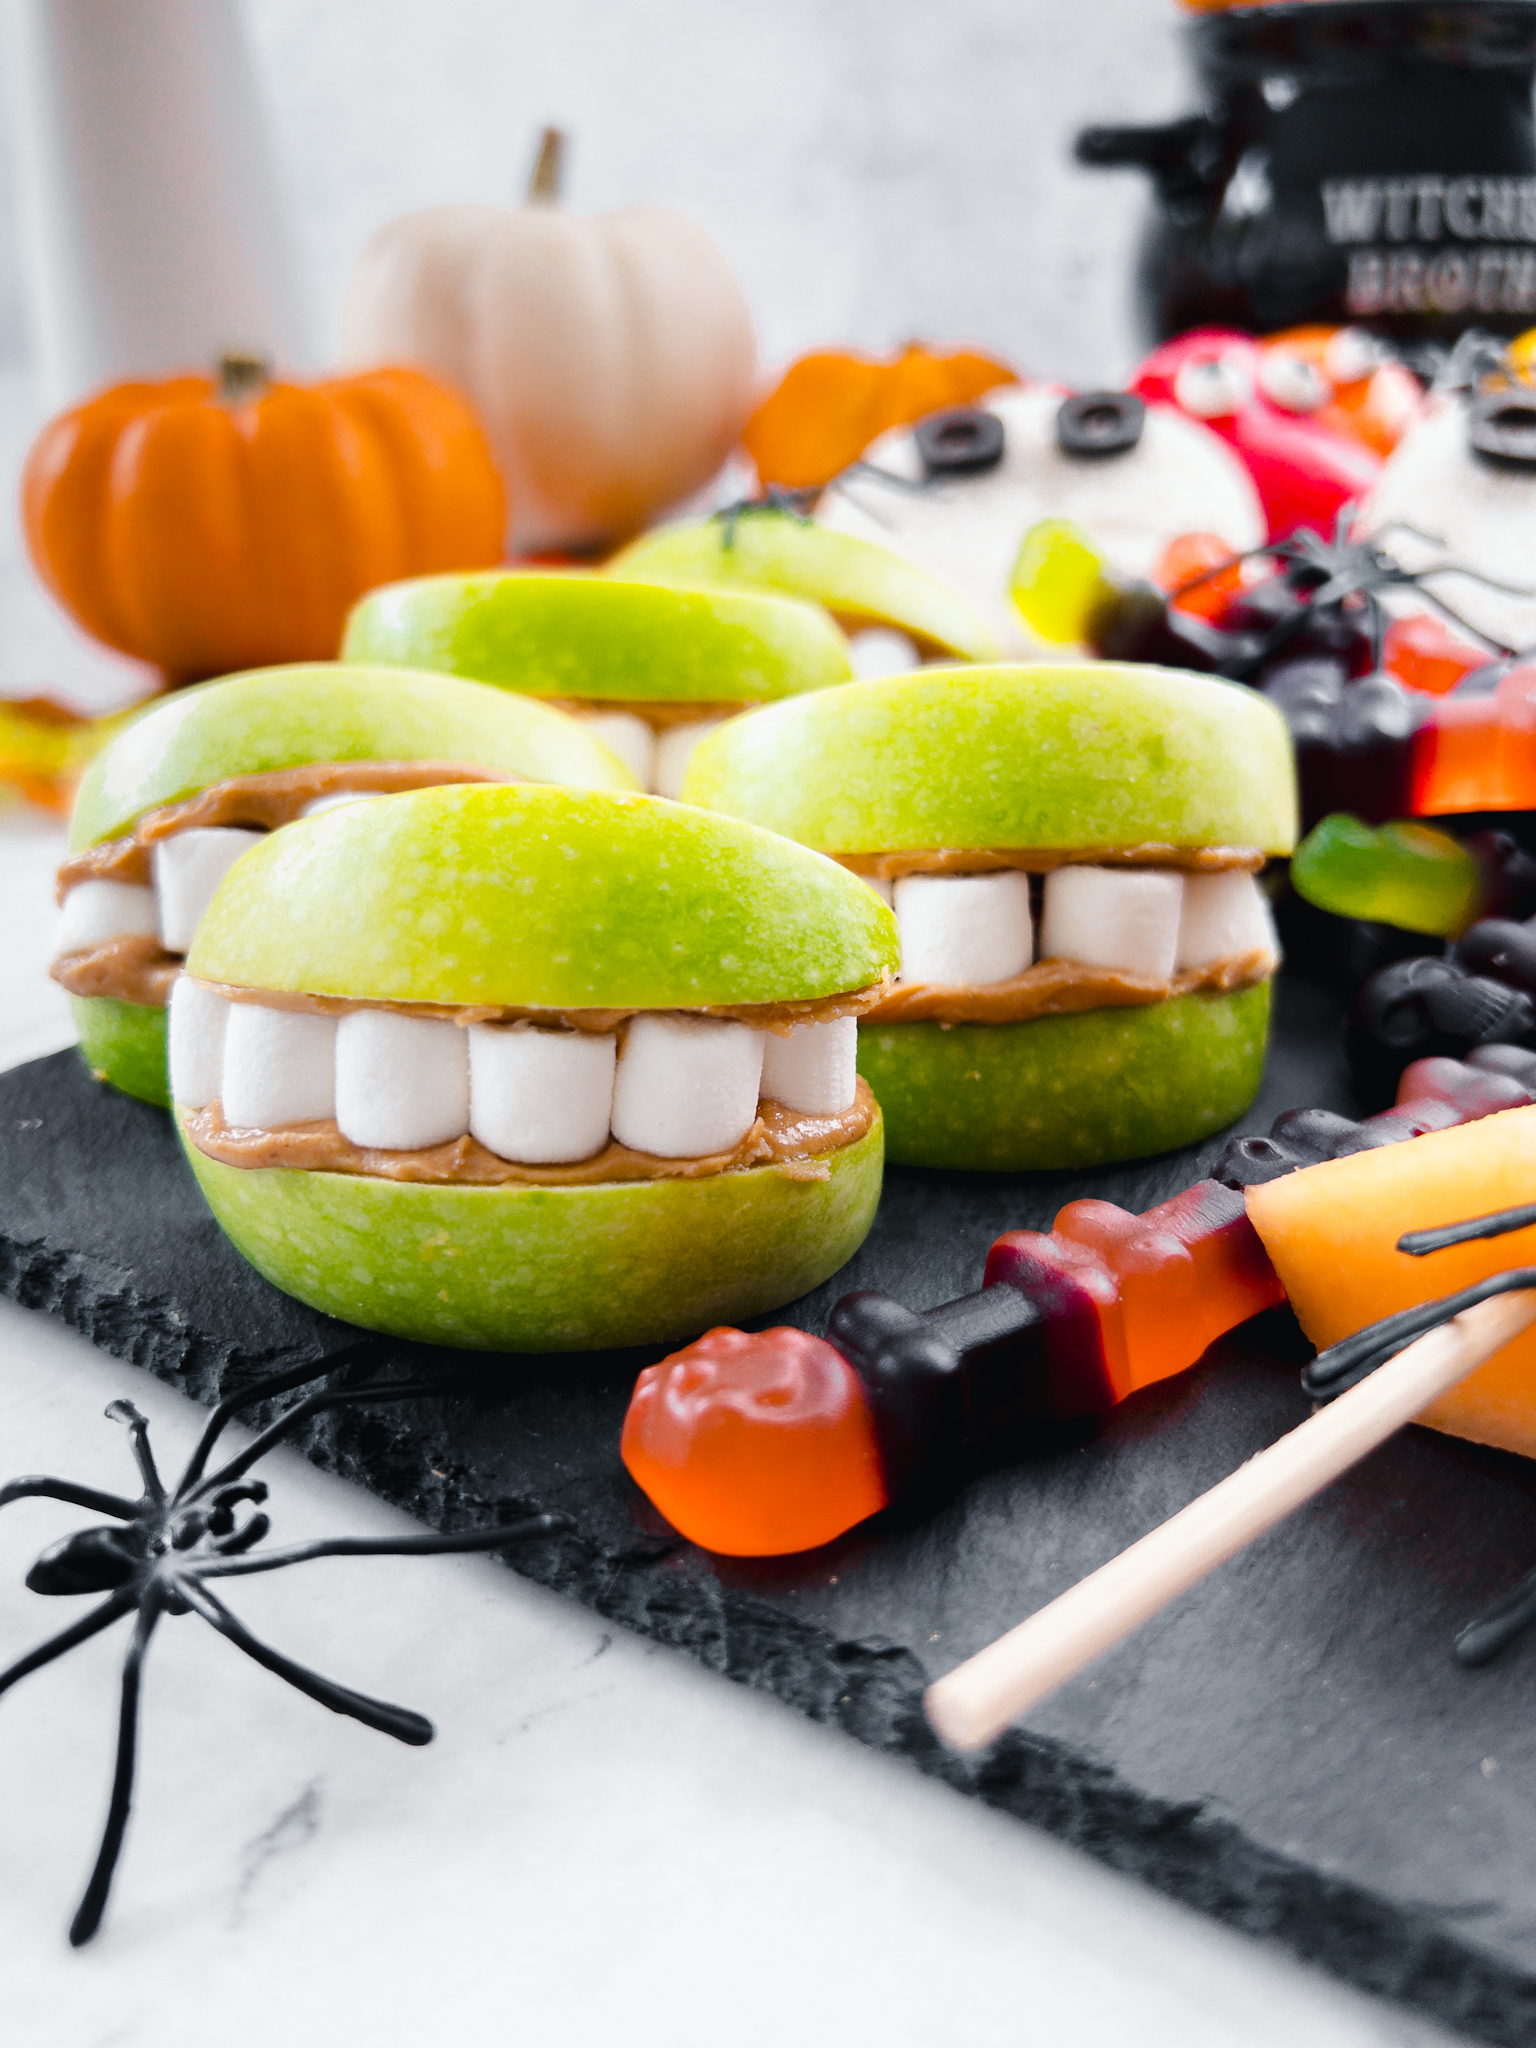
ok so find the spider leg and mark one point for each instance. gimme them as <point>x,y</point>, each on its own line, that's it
<point>38,1485</point>
<point>138,1435</point>
<point>88,1918</point>
<point>1349,1361</point>
<point>389,1546</point>
<point>312,1404</point>
<point>397,1721</point>
<point>261,1390</point>
<point>1481,1640</point>
<point>1417,1242</point>
<point>99,1618</point>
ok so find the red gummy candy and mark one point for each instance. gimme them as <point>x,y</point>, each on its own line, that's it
<point>1478,753</point>
<point>755,1445</point>
<point>1424,654</point>
<point>1472,1091</point>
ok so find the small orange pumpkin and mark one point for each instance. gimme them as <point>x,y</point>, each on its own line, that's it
<point>829,405</point>
<point>208,525</point>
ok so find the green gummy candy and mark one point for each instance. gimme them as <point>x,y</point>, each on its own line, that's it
<point>1058,581</point>
<point>1405,874</point>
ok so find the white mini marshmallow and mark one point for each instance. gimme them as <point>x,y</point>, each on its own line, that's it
<point>815,1069</point>
<point>964,931</point>
<point>319,804</point>
<point>401,1082</point>
<point>686,1086</point>
<point>674,750</point>
<point>540,1098</point>
<point>195,1023</point>
<point>279,1067</point>
<point>189,866</point>
<point>882,651</point>
<point>95,912</point>
<point>628,737</point>
<point>1224,915</point>
<point>1125,918</point>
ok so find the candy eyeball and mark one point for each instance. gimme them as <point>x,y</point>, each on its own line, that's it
<point>1353,354</point>
<point>1212,387</point>
<point>1292,383</point>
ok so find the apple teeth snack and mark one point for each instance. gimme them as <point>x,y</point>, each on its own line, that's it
<point>649,670</point>
<point>1072,854</point>
<point>203,776</point>
<point>897,610</point>
<point>957,493</point>
<point>528,1069</point>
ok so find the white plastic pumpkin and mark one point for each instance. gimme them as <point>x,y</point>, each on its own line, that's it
<point>612,361</point>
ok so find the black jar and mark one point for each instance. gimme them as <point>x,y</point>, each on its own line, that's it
<point>1369,161</point>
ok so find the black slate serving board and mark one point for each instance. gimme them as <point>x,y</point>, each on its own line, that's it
<point>1289,1748</point>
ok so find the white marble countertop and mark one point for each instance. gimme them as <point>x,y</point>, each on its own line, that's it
<point>604,1841</point>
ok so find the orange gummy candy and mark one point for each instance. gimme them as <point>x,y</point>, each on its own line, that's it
<point>755,1445</point>
<point>1479,753</point>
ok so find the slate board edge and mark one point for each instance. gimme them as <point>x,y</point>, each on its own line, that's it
<point>870,1690</point>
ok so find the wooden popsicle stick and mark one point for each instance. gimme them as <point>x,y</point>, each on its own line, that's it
<point>976,1701</point>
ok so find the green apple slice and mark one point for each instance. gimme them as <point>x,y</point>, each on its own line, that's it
<point>860,583</point>
<point>513,894</point>
<point>287,717</point>
<point>588,636</point>
<point>548,1268</point>
<point>1070,756</point>
<point>273,718</point>
<point>1066,1091</point>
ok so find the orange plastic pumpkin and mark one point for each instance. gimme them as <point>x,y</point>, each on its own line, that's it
<point>208,525</point>
<point>831,404</point>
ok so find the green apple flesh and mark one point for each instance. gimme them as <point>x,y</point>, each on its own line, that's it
<point>124,1044</point>
<point>1066,1091</point>
<point>589,636</point>
<point>547,1268</point>
<point>860,583</point>
<point>277,718</point>
<point>1043,756</point>
<point>514,894</point>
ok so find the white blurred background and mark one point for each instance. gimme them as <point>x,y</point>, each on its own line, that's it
<point>874,169</point>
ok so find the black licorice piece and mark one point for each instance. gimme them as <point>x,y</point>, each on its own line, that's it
<point>948,1383</point>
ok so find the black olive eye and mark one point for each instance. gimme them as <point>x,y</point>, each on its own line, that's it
<point>1100,423</point>
<point>1502,428</point>
<point>963,440</point>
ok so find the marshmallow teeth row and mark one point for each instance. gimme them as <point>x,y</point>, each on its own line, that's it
<point>657,760</point>
<point>188,867</point>
<point>967,931</point>
<point>674,1087</point>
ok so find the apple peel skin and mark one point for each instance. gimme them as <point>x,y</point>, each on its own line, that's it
<point>525,1269</point>
<point>1082,1090</point>
<point>270,719</point>
<point>576,635</point>
<point>860,583</point>
<point>124,1045</point>
<point>1116,753</point>
<point>518,896</point>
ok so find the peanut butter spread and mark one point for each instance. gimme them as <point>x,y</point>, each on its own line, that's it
<point>779,1017</point>
<point>784,1138</point>
<point>262,801</point>
<point>1060,988</point>
<point>964,860</point>
<point>136,969</point>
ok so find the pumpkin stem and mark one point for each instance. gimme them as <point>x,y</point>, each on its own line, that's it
<point>242,378</point>
<point>544,185</point>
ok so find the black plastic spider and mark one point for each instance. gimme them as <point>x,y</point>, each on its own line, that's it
<point>1348,1362</point>
<point>1318,576</point>
<point>169,1545</point>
